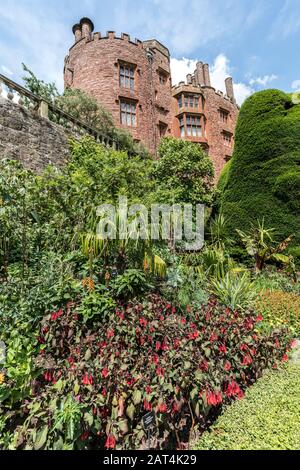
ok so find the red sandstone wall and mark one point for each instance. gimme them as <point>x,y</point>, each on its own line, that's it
<point>218,151</point>
<point>93,66</point>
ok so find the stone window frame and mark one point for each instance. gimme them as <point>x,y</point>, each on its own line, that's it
<point>227,139</point>
<point>129,74</point>
<point>224,115</point>
<point>190,101</point>
<point>163,76</point>
<point>191,126</point>
<point>130,113</point>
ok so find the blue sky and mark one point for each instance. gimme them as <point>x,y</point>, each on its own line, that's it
<point>255,41</point>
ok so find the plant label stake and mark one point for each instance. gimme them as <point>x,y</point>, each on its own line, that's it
<point>149,423</point>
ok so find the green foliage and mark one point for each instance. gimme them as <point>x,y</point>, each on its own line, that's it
<point>234,290</point>
<point>96,305</point>
<point>48,91</point>
<point>267,419</point>
<point>263,176</point>
<point>184,173</point>
<point>133,282</point>
<point>84,107</point>
<point>261,246</point>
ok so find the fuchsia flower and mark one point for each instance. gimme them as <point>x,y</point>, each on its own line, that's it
<point>285,358</point>
<point>147,405</point>
<point>247,360</point>
<point>222,349</point>
<point>105,373</point>
<point>162,408</point>
<point>160,372</point>
<point>214,398</point>
<point>233,390</point>
<point>110,334</point>
<point>87,379</point>
<point>110,442</point>
<point>143,322</point>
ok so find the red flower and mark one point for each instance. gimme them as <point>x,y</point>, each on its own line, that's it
<point>168,306</point>
<point>160,372</point>
<point>110,334</point>
<point>162,408</point>
<point>259,318</point>
<point>214,398</point>
<point>157,346</point>
<point>227,366</point>
<point>222,349</point>
<point>143,322</point>
<point>176,343</point>
<point>243,347</point>
<point>56,315</point>
<point>285,358</point>
<point>175,407</point>
<point>155,359</point>
<point>183,321</point>
<point>147,405</point>
<point>148,390</point>
<point>294,344</point>
<point>247,360</point>
<point>105,373</point>
<point>213,337</point>
<point>48,376</point>
<point>84,436</point>
<point>277,344</point>
<point>204,366</point>
<point>130,381</point>
<point>110,442</point>
<point>188,309</point>
<point>87,379</point>
<point>233,390</point>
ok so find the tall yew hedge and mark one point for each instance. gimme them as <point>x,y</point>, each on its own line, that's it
<point>263,178</point>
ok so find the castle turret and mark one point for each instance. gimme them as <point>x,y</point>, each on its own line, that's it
<point>229,88</point>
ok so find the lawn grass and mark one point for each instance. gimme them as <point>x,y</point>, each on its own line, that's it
<point>268,418</point>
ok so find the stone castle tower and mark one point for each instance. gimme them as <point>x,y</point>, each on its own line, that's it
<point>132,79</point>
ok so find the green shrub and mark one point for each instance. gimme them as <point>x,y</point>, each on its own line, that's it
<point>234,290</point>
<point>263,177</point>
<point>268,418</point>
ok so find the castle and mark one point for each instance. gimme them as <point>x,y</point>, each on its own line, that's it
<point>132,79</point>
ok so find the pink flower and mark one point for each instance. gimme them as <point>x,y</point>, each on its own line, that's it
<point>227,366</point>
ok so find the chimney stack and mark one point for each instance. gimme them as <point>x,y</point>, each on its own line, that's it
<point>206,75</point>
<point>200,73</point>
<point>189,79</point>
<point>229,88</point>
<point>87,27</point>
<point>77,32</point>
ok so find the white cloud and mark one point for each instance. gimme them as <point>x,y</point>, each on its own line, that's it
<point>295,85</point>
<point>242,91</point>
<point>263,81</point>
<point>181,68</point>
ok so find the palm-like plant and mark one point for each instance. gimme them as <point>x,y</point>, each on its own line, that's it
<point>260,244</point>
